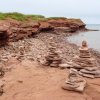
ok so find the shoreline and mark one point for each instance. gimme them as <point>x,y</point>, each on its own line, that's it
<point>26,78</point>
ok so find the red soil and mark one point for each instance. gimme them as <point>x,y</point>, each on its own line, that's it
<point>31,81</point>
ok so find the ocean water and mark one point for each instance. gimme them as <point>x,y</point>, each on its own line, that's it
<point>92,37</point>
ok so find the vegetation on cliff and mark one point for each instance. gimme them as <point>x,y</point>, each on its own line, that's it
<point>20,16</point>
<point>16,26</point>
<point>24,17</point>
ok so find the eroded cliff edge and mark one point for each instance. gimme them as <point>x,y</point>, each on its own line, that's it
<point>12,30</point>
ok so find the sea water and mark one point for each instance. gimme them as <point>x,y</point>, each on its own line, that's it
<point>92,37</point>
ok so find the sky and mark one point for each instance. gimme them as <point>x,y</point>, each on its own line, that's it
<point>87,10</point>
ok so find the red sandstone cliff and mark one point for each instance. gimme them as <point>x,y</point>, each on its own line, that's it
<point>70,24</point>
<point>12,30</point>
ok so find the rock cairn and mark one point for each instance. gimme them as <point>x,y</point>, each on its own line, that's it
<point>85,59</point>
<point>86,63</point>
<point>74,82</point>
<point>53,59</point>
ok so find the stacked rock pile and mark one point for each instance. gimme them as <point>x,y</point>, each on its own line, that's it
<point>85,59</point>
<point>74,82</point>
<point>53,59</point>
<point>86,63</point>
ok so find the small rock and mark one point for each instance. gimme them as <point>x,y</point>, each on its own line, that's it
<point>63,66</point>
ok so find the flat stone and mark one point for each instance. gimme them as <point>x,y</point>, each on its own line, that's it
<point>85,62</point>
<point>74,65</point>
<point>54,65</point>
<point>84,65</point>
<point>85,56</point>
<point>63,66</point>
<point>86,75</point>
<point>83,49</point>
<point>85,59</point>
<point>91,68</point>
<point>55,62</point>
<point>96,72</point>
<point>53,54</point>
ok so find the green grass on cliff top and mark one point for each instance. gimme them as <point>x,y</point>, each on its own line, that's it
<point>21,17</point>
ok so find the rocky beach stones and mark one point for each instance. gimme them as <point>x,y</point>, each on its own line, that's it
<point>74,82</point>
<point>53,59</point>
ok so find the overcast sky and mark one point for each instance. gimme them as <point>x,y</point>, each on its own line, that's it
<point>87,10</point>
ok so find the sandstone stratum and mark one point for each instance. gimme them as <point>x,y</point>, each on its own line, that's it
<point>13,30</point>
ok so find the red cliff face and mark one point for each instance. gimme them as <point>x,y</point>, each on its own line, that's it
<point>12,30</point>
<point>71,25</point>
<point>45,26</point>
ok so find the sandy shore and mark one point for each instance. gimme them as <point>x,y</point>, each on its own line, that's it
<point>26,79</point>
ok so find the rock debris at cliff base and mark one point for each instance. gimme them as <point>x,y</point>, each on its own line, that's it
<point>12,30</point>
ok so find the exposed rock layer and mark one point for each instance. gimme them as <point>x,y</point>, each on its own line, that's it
<point>12,30</point>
